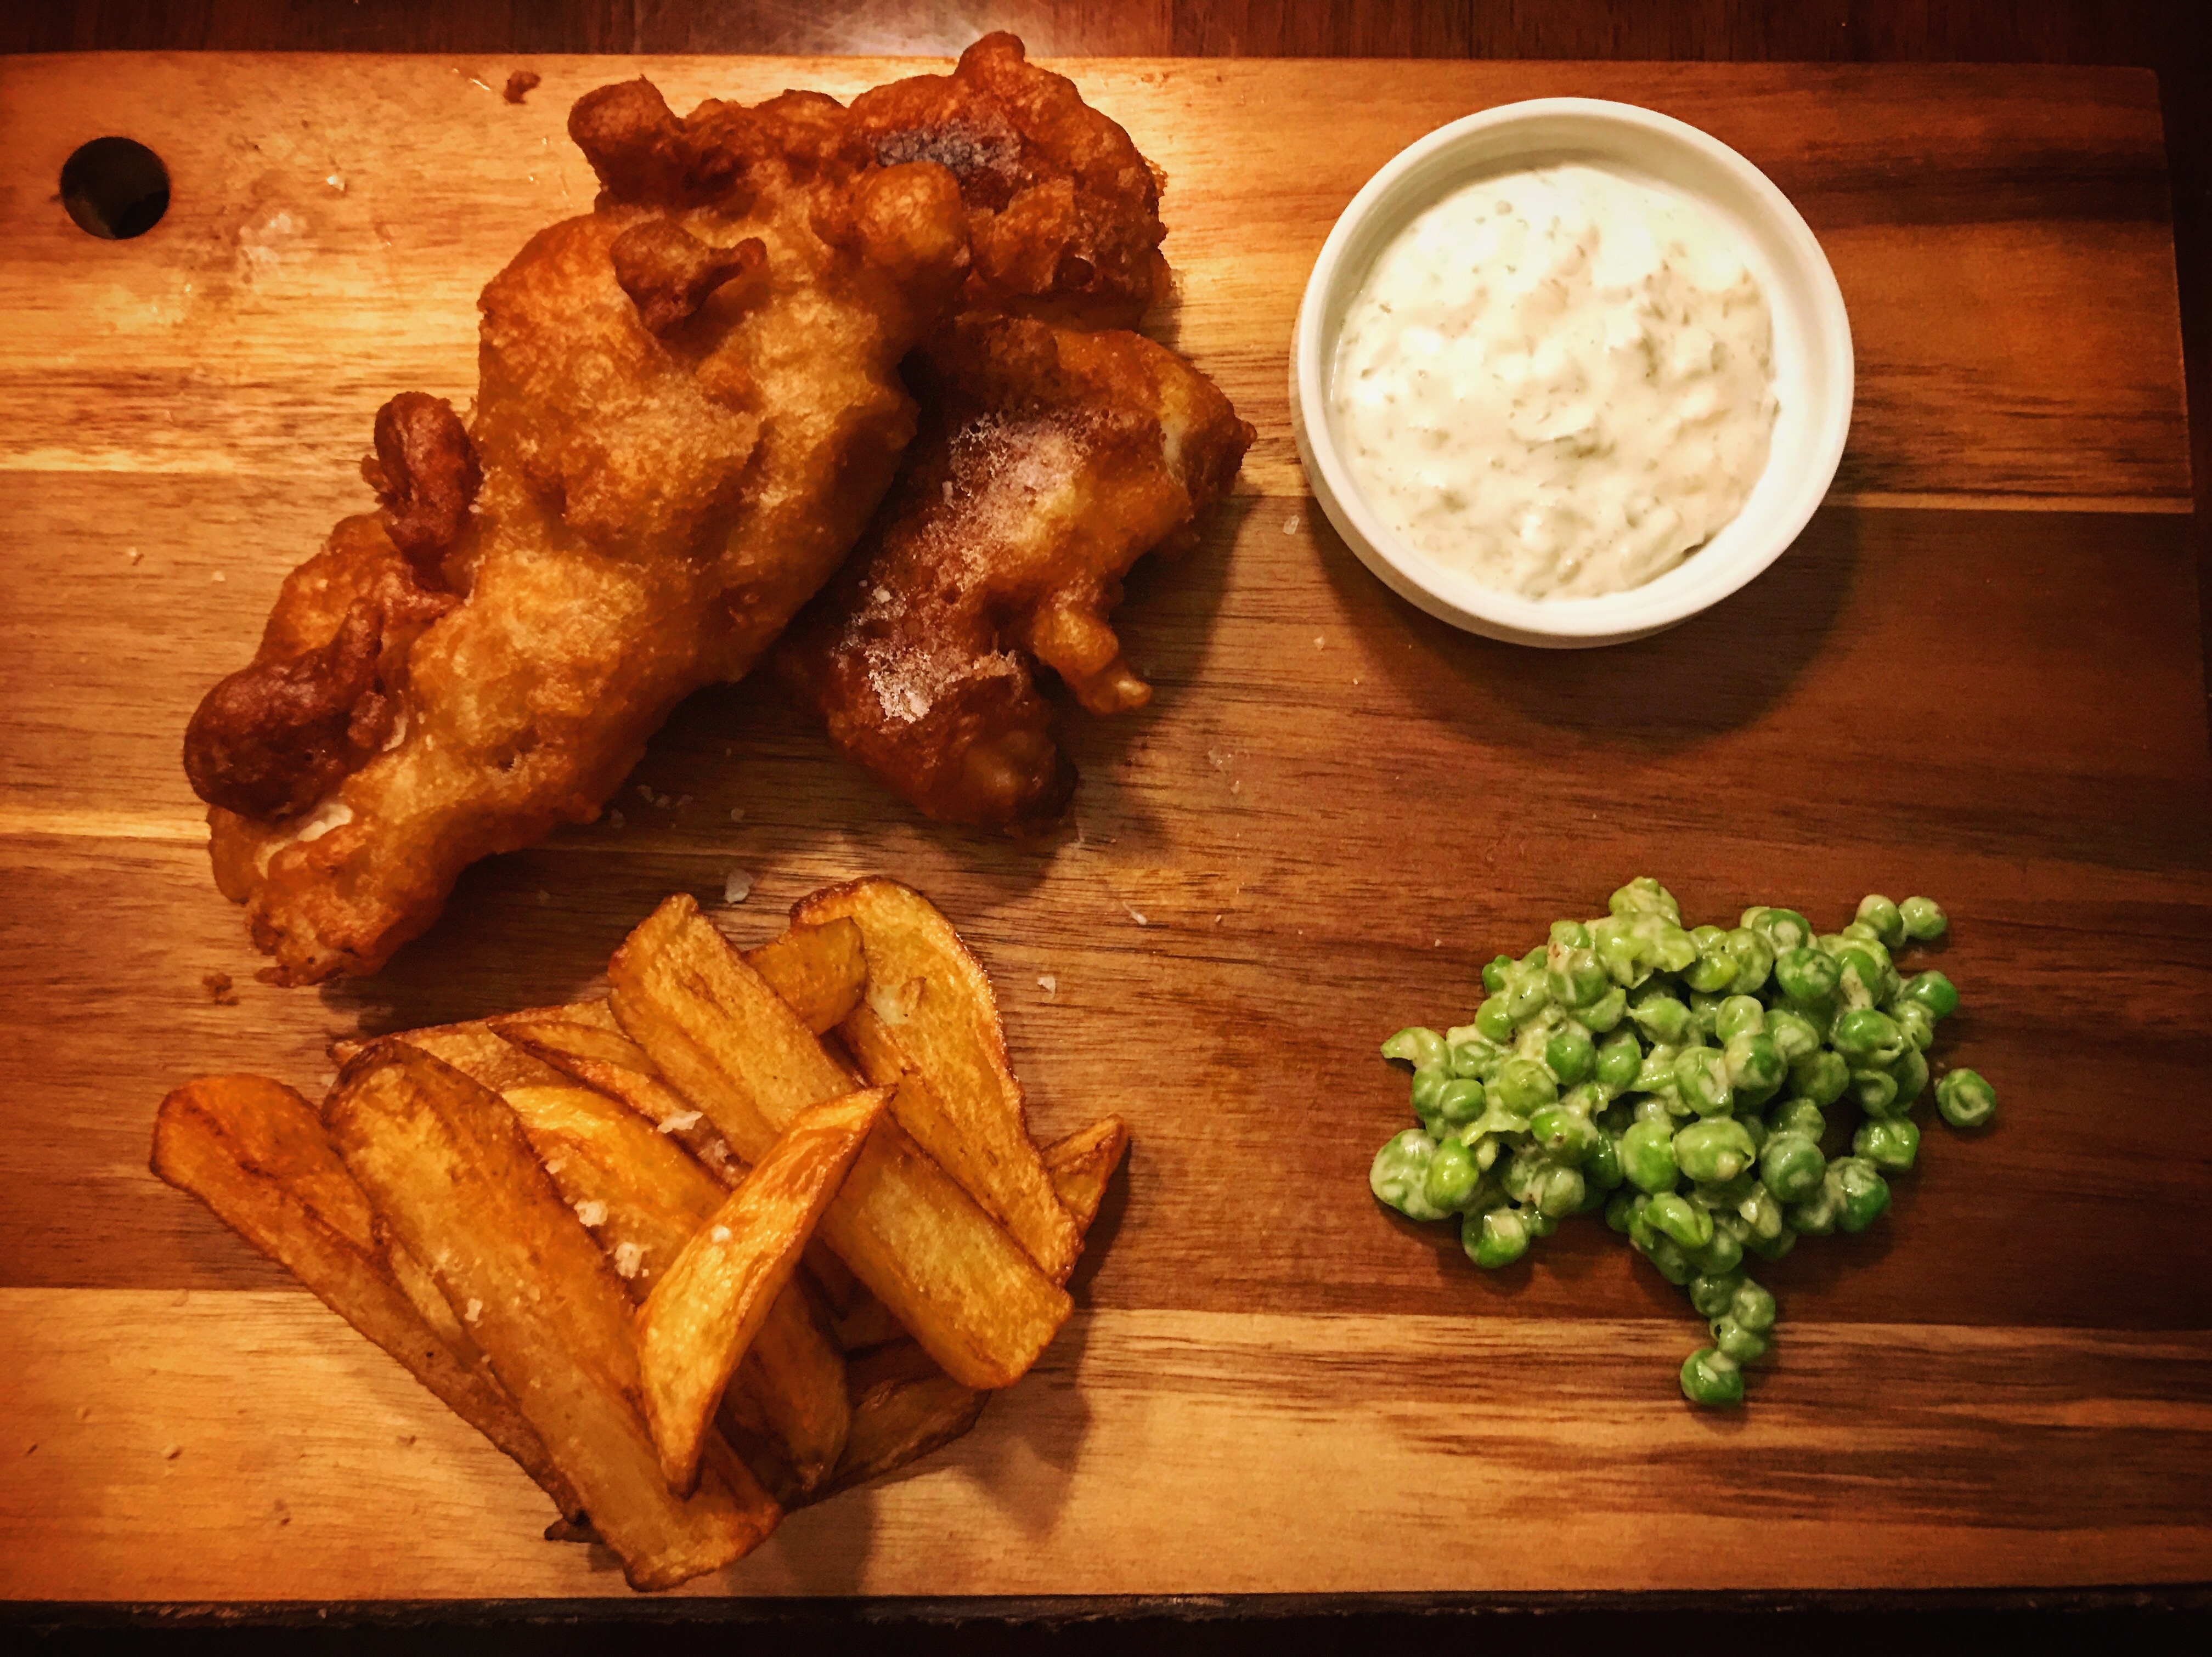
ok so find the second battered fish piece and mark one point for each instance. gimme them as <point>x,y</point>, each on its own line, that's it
<point>689,406</point>
<point>1049,461</point>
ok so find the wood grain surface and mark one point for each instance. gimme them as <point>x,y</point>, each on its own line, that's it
<point>1977,675</point>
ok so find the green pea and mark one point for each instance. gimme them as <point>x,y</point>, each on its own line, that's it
<point>1622,1207</point>
<point>1806,974</point>
<point>1754,960</point>
<point>1400,1175</point>
<point>1665,1254</point>
<point>1618,948</point>
<point>1890,1146</point>
<point>1461,1102</point>
<point>1570,934</point>
<point>1704,1014</point>
<point>1525,998</point>
<point>1867,1036</point>
<point>1602,1168</point>
<point>1647,1157</point>
<point>1755,1066</point>
<point>1782,929</point>
<point>1858,932</point>
<point>1965,1099</point>
<point>1924,919</point>
<point>1753,1307</point>
<point>1821,1077</point>
<point>1799,1116</point>
<point>1712,1378</point>
<point>1862,1193</point>
<point>1521,1085</point>
<point>1738,1015</point>
<point>1816,1216</point>
<point>1915,1022</point>
<point>1912,1076</point>
<point>1494,1018</point>
<point>1713,1151</point>
<point>1452,1176</point>
<point>1867,979</point>
<point>1874,1091</point>
<point>1714,1292</point>
<point>1771,1248</point>
<point>1687,1223</point>
<point>1424,1049</point>
<point>1658,1070</point>
<point>1715,969</point>
<point>1879,914</point>
<point>1701,1074</point>
<point>1660,1016</point>
<point>1493,975</point>
<point>1793,1033</point>
<point>1558,1192</point>
<point>1737,1342</point>
<point>1644,897</point>
<point>1569,1136</point>
<point>1932,990</point>
<point>1576,977</point>
<point>1570,1056</point>
<point>1495,1238</point>
<point>1602,1014</point>
<point>1791,1167</point>
<point>1618,1058</point>
<point>1674,950</point>
<point>1724,1253</point>
<point>1660,1107</point>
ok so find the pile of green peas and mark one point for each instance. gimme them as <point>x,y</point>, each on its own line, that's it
<point>1682,1079</point>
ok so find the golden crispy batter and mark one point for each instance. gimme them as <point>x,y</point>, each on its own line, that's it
<point>1063,213</point>
<point>660,493</point>
<point>1049,461</point>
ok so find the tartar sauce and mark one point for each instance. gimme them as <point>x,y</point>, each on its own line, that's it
<point>1557,381</point>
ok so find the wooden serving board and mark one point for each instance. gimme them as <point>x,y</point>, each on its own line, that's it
<point>1978,675</point>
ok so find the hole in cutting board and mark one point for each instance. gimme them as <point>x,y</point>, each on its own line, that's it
<point>115,188</point>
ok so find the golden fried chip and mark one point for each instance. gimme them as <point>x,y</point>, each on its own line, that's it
<point>1080,1165</point>
<point>931,1028</point>
<point>724,1039</point>
<point>254,1151</point>
<point>704,1313</point>
<point>904,1406</point>
<point>448,1166</point>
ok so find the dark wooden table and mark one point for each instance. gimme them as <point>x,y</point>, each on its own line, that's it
<point>2172,39</point>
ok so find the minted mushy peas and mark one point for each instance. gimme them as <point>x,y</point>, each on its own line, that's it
<point>1683,1080</point>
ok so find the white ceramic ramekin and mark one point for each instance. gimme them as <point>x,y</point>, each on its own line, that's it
<point>1813,369</point>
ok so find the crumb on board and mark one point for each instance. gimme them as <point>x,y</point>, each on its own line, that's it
<point>736,887</point>
<point>217,984</point>
<point>172,1453</point>
<point>1049,984</point>
<point>1136,915</point>
<point>521,84</point>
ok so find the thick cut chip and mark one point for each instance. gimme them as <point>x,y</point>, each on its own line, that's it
<point>904,1406</point>
<point>645,1198</point>
<point>932,1019</point>
<point>729,1044</point>
<point>704,1313</point>
<point>446,1164</point>
<point>254,1151</point>
<point>822,971</point>
<point>611,1063</point>
<point>1080,1165</point>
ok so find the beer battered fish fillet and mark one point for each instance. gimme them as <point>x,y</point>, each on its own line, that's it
<point>1049,461</point>
<point>689,406</point>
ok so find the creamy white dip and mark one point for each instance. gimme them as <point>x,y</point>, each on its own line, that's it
<point>1557,381</point>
